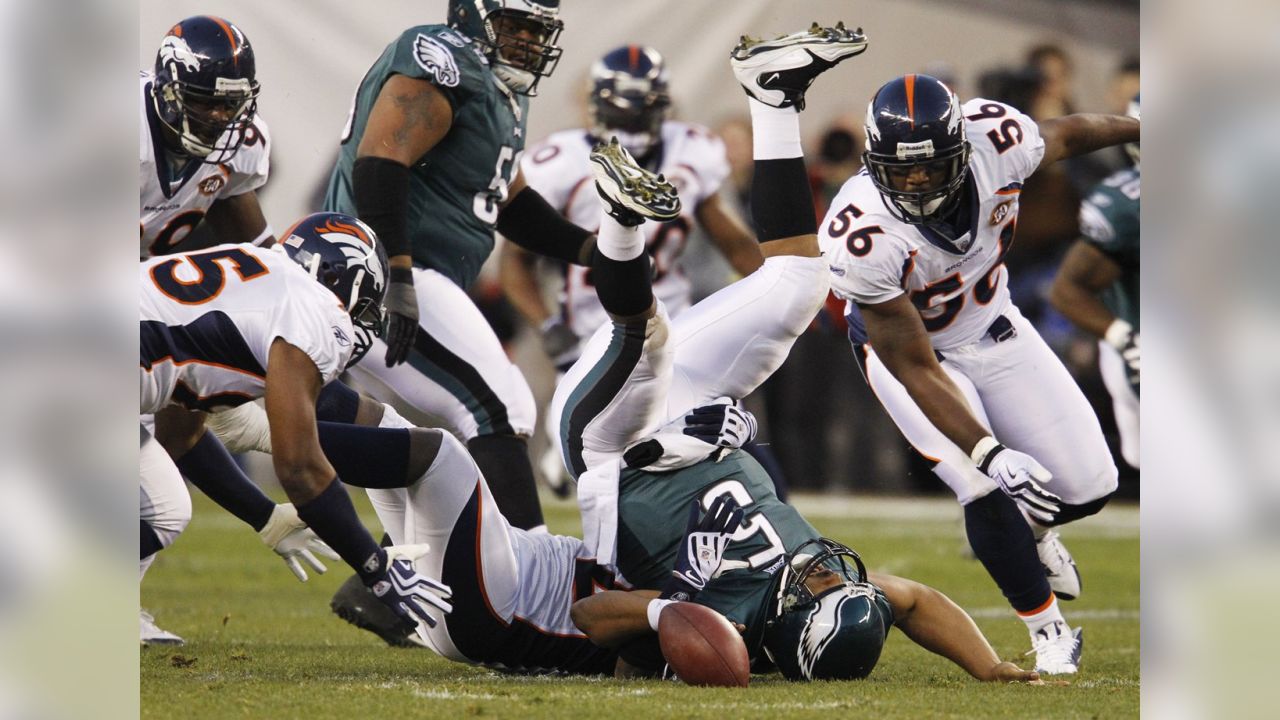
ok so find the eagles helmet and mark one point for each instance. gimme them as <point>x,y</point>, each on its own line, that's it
<point>518,36</point>
<point>629,97</point>
<point>917,154</point>
<point>1133,112</point>
<point>204,90</point>
<point>836,634</point>
<point>344,255</point>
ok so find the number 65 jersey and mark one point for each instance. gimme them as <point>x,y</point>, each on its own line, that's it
<point>959,286</point>
<point>207,320</point>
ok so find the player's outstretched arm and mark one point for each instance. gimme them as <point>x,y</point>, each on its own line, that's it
<point>1083,133</point>
<point>734,240</point>
<point>1086,271</point>
<point>613,617</point>
<point>896,332</point>
<point>520,285</point>
<point>940,626</point>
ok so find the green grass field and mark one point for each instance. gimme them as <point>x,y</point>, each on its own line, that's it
<point>261,645</point>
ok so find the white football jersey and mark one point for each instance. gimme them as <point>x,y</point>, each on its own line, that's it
<point>693,160</point>
<point>208,319</point>
<point>170,208</point>
<point>875,257</point>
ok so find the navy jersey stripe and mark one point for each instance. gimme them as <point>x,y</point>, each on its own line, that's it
<point>484,637</point>
<point>211,339</point>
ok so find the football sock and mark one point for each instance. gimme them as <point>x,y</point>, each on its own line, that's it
<point>781,199</point>
<point>1046,614</point>
<point>209,467</point>
<point>504,462</point>
<point>775,132</point>
<point>332,516</point>
<point>1002,540</point>
<point>617,241</point>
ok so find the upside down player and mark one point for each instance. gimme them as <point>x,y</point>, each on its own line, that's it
<point>802,601</point>
<point>628,98</point>
<point>223,326</point>
<point>916,243</point>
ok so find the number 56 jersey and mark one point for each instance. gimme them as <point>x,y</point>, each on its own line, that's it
<point>959,286</point>
<point>208,319</point>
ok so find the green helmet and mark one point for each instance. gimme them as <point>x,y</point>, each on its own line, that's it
<point>518,37</point>
<point>836,634</point>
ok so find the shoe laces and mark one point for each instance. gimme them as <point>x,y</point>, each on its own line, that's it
<point>1056,648</point>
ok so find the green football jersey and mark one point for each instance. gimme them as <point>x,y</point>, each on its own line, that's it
<point>653,511</point>
<point>456,188</point>
<point>1110,218</point>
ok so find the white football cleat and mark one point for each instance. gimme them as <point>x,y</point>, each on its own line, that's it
<point>153,635</point>
<point>1057,649</point>
<point>630,192</point>
<point>1059,568</point>
<point>778,72</point>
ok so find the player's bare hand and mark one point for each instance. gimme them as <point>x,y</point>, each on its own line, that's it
<point>1007,672</point>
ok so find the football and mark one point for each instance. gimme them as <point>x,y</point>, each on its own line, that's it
<point>702,646</point>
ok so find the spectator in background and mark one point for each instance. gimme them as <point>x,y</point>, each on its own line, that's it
<point>736,135</point>
<point>1124,85</point>
<point>1057,73</point>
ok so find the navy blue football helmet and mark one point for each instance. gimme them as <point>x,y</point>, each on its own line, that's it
<point>917,154</point>
<point>518,36</point>
<point>204,91</point>
<point>344,255</point>
<point>629,98</point>
<point>836,634</point>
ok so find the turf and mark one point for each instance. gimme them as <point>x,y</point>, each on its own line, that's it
<point>261,645</point>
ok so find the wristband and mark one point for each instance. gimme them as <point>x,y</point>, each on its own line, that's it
<point>1118,334</point>
<point>655,610</point>
<point>982,449</point>
<point>401,275</point>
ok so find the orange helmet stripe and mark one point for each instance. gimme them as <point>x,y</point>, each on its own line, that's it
<point>633,56</point>
<point>231,37</point>
<point>910,81</point>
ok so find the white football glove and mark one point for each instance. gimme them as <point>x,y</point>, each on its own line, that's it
<point>294,541</point>
<point>1019,476</point>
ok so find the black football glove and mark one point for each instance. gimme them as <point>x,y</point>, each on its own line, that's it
<point>402,315</point>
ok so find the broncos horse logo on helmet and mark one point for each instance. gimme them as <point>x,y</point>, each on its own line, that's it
<point>629,97</point>
<point>836,633</point>
<point>518,37</point>
<point>204,92</point>
<point>344,255</point>
<point>917,154</point>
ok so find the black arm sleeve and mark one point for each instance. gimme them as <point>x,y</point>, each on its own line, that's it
<point>530,222</point>
<point>381,189</point>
